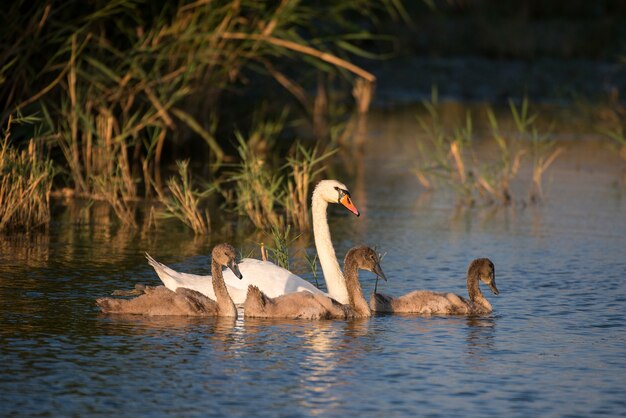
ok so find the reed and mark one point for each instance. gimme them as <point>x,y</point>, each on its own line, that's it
<point>184,202</point>
<point>25,182</point>
<point>443,152</point>
<point>118,82</point>
<point>303,169</point>
<point>615,131</point>
<point>543,150</point>
<point>544,153</point>
<point>279,252</point>
<point>258,188</point>
<point>312,264</point>
<point>111,190</point>
<point>495,181</point>
<point>448,156</point>
<point>619,137</point>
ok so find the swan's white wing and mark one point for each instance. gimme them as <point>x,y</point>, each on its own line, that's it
<point>270,278</point>
<point>173,279</point>
<point>267,276</point>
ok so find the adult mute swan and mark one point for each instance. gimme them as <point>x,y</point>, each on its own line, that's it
<point>270,278</point>
<point>306,305</point>
<point>432,303</point>
<point>162,301</point>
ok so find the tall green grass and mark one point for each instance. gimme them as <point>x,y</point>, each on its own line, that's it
<point>119,83</point>
<point>258,187</point>
<point>184,201</point>
<point>271,195</point>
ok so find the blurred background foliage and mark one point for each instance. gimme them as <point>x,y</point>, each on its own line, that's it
<point>111,94</point>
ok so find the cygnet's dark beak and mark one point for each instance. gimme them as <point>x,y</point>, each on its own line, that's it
<point>379,272</point>
<point>235,269</point>
<point>492,286</point>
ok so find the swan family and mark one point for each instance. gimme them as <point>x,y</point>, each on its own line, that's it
<point>267,276</point>
<point>265,290</point>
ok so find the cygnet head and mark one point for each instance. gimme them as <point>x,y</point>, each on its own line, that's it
<point>486,272</point>
<point>366,259</point>
<point>225,255</point>
<point>333,191</point>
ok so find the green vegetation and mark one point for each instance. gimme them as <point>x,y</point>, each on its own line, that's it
<point>257,187</point>
<point>120,84</point>
<point>279,252</point>
<point>273,196</point>
<point>613,125</point>
<point>255,96</point>
<point>184,202</point>
<point>451,157</point>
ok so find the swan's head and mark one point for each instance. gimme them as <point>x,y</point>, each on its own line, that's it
<point>366,259</point>
<point>226,255</point>
<point>486,272</point>
<point>333,191</point>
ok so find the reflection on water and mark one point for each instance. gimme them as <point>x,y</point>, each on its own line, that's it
<point>557,332</point>
<point>31,250</point>
<point>480,342</point>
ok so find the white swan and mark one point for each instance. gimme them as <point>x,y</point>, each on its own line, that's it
<point>271,279</point>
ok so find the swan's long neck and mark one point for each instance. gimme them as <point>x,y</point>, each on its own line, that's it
<point>335,282</point>
<point>225,305</point>
<point>357,301</point>
<point>475,294</point>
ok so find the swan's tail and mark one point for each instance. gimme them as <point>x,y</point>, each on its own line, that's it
<point>166,274</point>
<point>155,264</point>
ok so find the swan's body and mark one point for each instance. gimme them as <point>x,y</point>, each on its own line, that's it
<point>305,305</point>
<point>271,279</point>
<point>162,301</point>
<point>435,303</point>
<point>251,269</point>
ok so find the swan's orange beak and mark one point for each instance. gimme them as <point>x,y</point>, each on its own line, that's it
<point>347,203</point>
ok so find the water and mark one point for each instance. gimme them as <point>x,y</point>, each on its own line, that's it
<point>554,346</point>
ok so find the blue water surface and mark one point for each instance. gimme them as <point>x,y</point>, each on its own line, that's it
<point>554,346</point>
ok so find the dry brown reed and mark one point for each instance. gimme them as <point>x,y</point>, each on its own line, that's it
<point>450,157</point>
<point>25,183</point>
